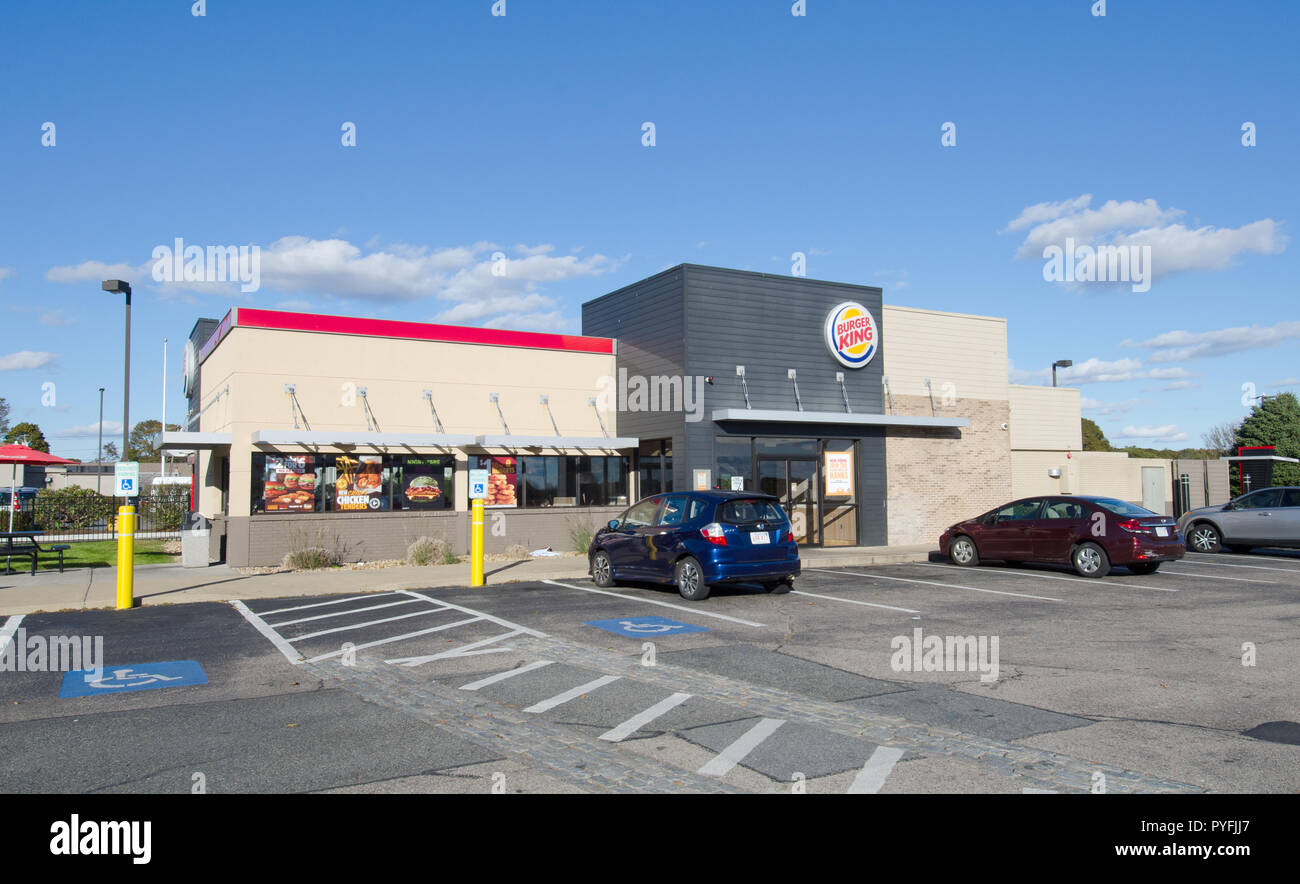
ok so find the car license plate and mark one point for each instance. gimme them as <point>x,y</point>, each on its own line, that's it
<point>759,537</point>
<point>1162,532</point>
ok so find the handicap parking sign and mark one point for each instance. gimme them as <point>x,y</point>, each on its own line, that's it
<point>643,627</point>
<point>126,477</point>
<point>132,677</point>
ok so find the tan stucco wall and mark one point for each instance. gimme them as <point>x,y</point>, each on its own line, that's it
<point>969,352</point>
<point>1046,418</point>
<point>1105,473</point>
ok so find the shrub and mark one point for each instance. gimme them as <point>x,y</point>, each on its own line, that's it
<point>425,551</point>
<point>581,532</point>
<point>311,552</point>
<point>72,507</point>
<point>164,507</point>
<point>449,556</point>
<point>517,551</point>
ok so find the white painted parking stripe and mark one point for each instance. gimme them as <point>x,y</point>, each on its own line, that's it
<point>1034,575</point>
<point>7,631</point>
<point>396,638</point>
<point>351,598</point>
<point>290,653</point>
<point>874,773</point>
<point>502,676</point>
<point>298,638</point>
<point>641,719</point>
<point>618,595</point>
<point>340,613</point>
<point>1030,791</point>
<point>481,614</point>
<point>1023,595</point>
<point>470,650</point>
<point>722,763</point>
<point>1221,577</point>
<point>854,602</point>
<point>1185,561</point>
<point>571,694</point>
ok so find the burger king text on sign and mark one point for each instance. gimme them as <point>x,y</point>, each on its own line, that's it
<point>851,334</point>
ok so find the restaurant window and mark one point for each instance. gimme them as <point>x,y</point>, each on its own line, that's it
<point>735,459</point>
<point>556,480</point>
<point>655,459</point>
<point>307,483</point>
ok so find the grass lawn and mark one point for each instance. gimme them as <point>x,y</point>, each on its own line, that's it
<point>96,554</point>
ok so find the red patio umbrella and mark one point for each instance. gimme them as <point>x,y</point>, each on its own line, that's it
<point>16,454</point>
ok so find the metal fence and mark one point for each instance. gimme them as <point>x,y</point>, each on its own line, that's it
<point>71,515</point>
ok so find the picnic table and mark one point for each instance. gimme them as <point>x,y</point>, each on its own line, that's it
<point>23,543</point>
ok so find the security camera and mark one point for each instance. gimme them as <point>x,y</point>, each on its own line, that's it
<point>1004,425</point>
<point>709,380</point>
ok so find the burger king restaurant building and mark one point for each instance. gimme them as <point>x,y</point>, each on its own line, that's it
<point>873,424</point>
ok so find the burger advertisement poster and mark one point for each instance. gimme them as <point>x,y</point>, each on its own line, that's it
<point>503,480</point>
<point>290,485</point>
<point>360,483</point>
<point>427,483</point>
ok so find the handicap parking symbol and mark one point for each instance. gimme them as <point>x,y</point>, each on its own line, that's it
<point>132,677</point>
<point>646,627</point>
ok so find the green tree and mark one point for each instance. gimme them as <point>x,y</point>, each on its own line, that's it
<point>27,434</point>
<point>110,454</point>
<point>1275,421</point>
<point>145,438</point>
<point>4,415</point>
<point>1093,438</point>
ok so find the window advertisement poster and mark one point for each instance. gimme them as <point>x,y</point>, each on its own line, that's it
<point>839,473</point>
<point>503,480</point>
<point>427,483</point>
<point>360,482</point>
<point>290,484</point>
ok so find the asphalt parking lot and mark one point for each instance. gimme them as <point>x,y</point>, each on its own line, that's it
<point>1124,684</point>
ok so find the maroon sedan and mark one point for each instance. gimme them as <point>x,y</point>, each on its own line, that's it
<point>1090,533</point>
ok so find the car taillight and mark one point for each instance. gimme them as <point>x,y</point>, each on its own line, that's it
<point>789,537</point>
<point>712,532</point>
<point>1133,526</point>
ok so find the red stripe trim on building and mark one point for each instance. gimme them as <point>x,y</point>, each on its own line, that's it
<point>248,317</point>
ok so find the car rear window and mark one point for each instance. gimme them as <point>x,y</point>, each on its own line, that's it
<point>1123,507</point>
<point>741,511</point>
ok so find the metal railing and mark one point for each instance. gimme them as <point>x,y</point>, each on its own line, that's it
<point>86,515</point>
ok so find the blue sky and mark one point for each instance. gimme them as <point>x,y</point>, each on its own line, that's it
<point>774,134</point>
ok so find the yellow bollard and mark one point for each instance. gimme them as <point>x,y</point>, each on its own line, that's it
<point>125,557</point>
<point>476,543</point>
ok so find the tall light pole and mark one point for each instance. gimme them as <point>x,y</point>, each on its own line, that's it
<point>121,287</point>
<point>1060,363</point>
<point>99,452</point>
<point>163,454</point>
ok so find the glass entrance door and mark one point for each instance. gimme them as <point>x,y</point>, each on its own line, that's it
<point>795,482</point>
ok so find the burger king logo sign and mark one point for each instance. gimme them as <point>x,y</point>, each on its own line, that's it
<point>851,334</point>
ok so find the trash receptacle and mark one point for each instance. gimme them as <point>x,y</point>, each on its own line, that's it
<point>194,542</point>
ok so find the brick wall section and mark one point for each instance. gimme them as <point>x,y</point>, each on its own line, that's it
<point>357,537</point>
<point>937,477</point>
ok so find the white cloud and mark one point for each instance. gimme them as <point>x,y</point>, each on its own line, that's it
<point>1176,346</point>
<point>1286,382</point>
<point>111,428</point>
<point>1176,385</point>
<point>1175,247</point>
<point>57,318</point>
<point>335,269</point>
<point>6,272</point>
<point>1167,433</point>
<point>25,360</point>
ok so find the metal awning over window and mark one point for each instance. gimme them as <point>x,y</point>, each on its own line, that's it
<point>611,443</point>
<point>774,416</point>
<point>194,441</point>
<point>334,438</point>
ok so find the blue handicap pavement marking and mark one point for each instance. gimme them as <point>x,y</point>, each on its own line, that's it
<point>639,627</point>
<point>132,677</point>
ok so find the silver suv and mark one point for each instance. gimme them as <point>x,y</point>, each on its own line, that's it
<point>1268,517</point>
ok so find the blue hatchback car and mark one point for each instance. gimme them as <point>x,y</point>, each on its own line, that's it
<point>698,538</point>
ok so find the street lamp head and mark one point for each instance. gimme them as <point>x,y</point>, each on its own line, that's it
<point>117,286</point>
<point>1063,363</point>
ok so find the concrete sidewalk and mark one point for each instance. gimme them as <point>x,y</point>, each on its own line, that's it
<point>173,584</point>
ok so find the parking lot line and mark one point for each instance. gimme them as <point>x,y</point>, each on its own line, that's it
<point>1221,577</point>
<point>396,638</point>
<point>1023,595</point>
<point>298,638</point>
<point>290,652</point>
<point>571,694</point>
<point>874,773</point>
<point>472,649</point>
<point>722,763</point>
<point>854,601</point>
<point>618,595</point>
<point>341,613</point>
<point>480,614</point>
<point>502,676</point>
<point>1252,567</point>
<point>351,598</point>
<point>1091,580</point>
<point>641,719</point>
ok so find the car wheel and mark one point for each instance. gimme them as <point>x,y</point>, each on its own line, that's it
<point>602,570</point>
<point>1144,568</point>
<point>963,552</point>
<point>1090,560</point>
<point>1238,548</point>
<point>778,587</point>
<point>1205,538</point>
<point>690,580</point>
